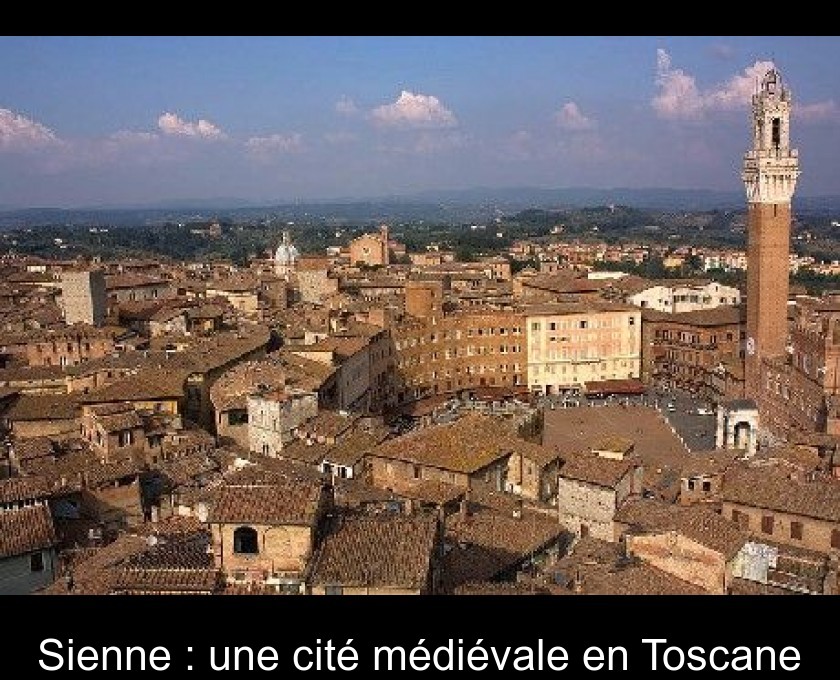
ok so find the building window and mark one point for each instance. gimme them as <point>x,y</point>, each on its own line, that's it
<point>126,438</point>
<point>835,538</point>
<point>333,590</point>
<point>36,562</point>
<point>796,530</point>
<point>742,519</point>
<point>245,541</point>
<point>535,326</point>
<point>767,524</point>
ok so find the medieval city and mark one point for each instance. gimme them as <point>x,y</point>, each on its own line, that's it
<point>369,419</point>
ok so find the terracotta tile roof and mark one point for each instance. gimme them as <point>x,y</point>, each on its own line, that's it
<point>725,315</point>
<point>117,422</point>
<point>614,443</point>
<point>741,586</point>
<point>92,570</point>
<point>147,384</point>
<point>351,449</point>
<point>37,447</point>
<point>614,386</point>
<point>385,551</point>
<point>280,503</point>
<point>593,469</point>
<point>489,542</point>
<point>327,423</point>
<point>119,281</point>
<point>711,462</point>
<point>32,407</point>
<point>466,445</point>
<point>639,579</point>
<point>758,488</point>
<point>181,565</point>
<point>187,469</point>
<point>231,389</point>
<point>75,469</point>
<point>122,360</point>
<point>234,286</point>
<point>501,588</point>
<point>699,524</point>
<point>432,491</point>
<point>221,349</point>
<point>565,283</point>
<point>308,263</point>
<point>306,374</point>
<point>646,513</point>
<point>600,568</point>
<point>342,346</point>
<point>18,489</point>
<point>25,530</point>
<point>173,527</point>
<point>268,470</point>
<point>299,450</point>
<point>21,374</point>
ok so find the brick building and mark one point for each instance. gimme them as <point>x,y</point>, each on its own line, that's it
<point>694,350</point>
<point>799,390</point>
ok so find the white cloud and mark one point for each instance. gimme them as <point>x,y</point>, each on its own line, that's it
<point>171,124</point>
<point>570,117</point>
<point>818,111</point>
<point>275,144</point>
<point>679,97</point>
<point>415,111</point>
<point>19,133</point>
<point>739,89</point>
<point>678,94</point>
<point>346,106</point>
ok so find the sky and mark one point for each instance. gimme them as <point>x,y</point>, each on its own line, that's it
<point>95,121</point>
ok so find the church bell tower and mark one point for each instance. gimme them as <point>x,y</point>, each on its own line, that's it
<point>771,169</point>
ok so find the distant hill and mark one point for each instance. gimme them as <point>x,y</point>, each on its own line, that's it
<point>451,206</point>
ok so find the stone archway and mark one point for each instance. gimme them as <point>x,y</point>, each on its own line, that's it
<point>737,426</point>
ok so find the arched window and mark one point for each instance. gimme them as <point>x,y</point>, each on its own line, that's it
<point>245,541</point>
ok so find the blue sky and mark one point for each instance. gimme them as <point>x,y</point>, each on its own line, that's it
<point>132,120</point>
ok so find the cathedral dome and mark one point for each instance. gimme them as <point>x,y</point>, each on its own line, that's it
<point>286,254</point>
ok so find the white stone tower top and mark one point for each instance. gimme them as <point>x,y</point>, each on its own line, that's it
<point>771,167</point>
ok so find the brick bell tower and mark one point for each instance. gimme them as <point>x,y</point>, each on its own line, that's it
<point>771,169</point>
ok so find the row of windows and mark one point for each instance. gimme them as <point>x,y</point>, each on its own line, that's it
<point>454,354</point>
<point>70,347</point>
<point>609,322</point>
<point>600,366</point>
<point>684,336</point>
<point>457,334</point>
<point>796,530</point>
